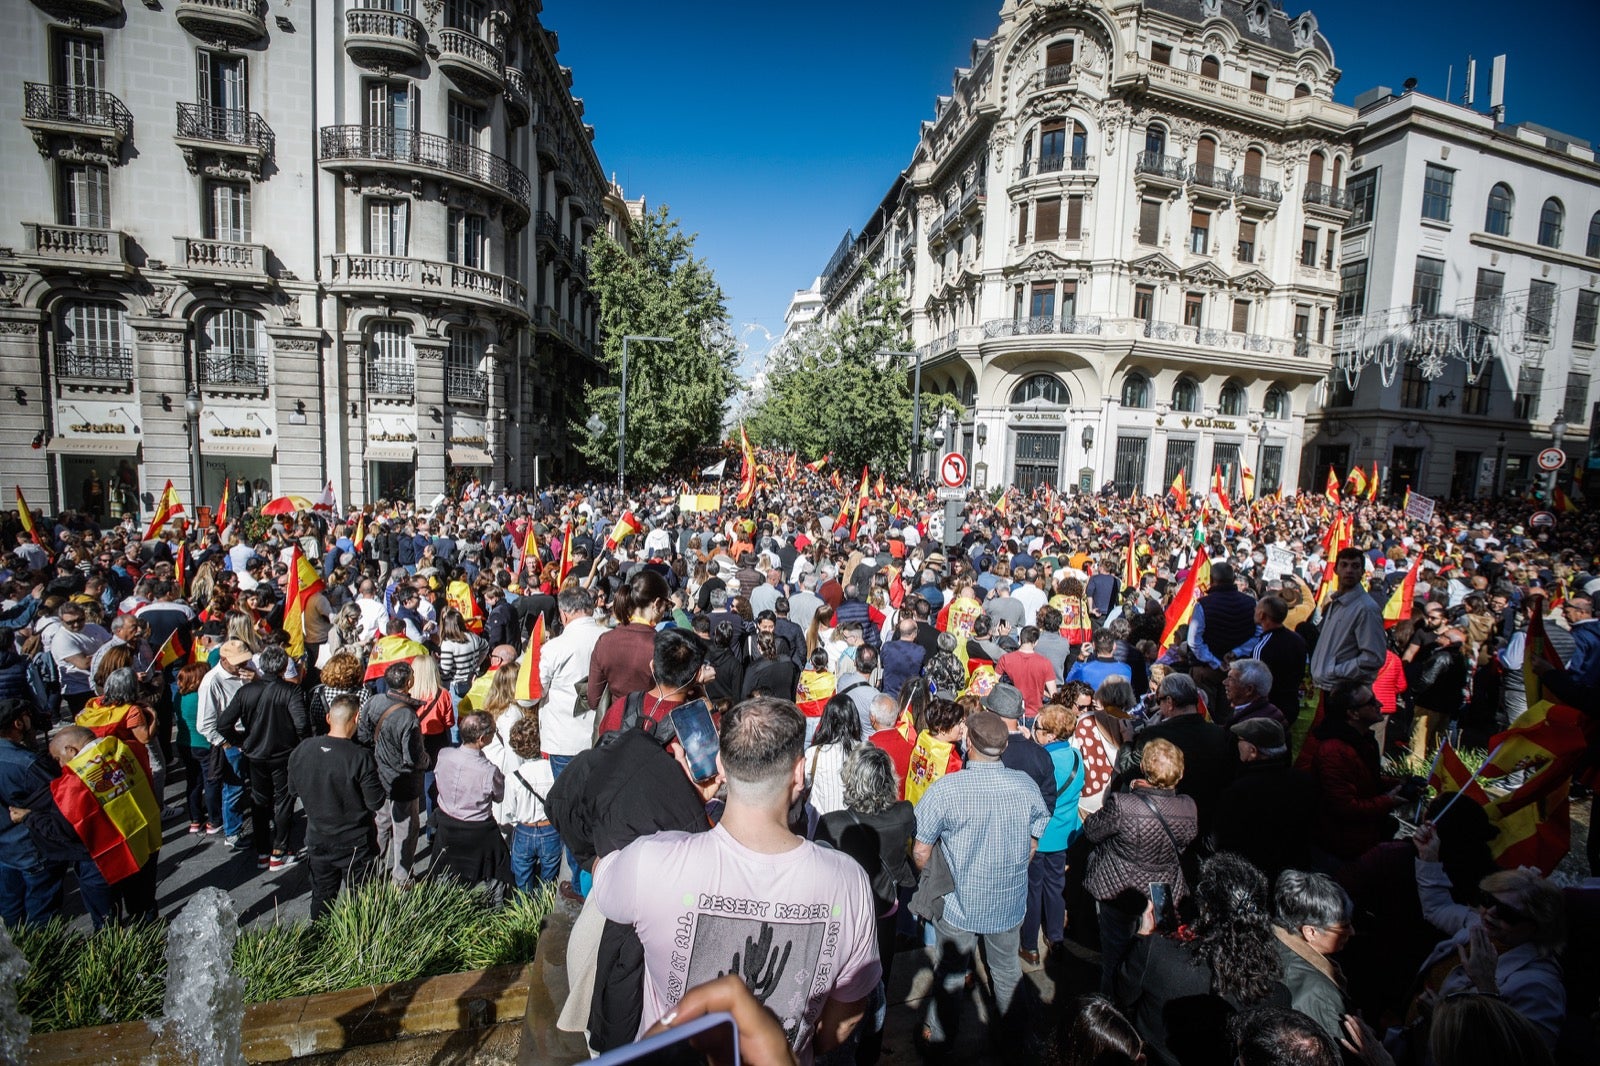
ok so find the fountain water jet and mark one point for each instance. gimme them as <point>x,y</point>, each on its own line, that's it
<point>14,1025</point>
<point>204,1006</point>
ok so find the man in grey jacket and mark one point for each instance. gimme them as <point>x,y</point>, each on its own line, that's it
<point>389,726</point>
<point>1350,641</point>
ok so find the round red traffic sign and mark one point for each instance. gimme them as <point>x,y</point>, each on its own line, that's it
<point>1552,459</point>
<point>1540,519</point>
<point>953,469</point>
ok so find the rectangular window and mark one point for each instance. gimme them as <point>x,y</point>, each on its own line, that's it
<point>1258,82</point>
<point>1241,316</point>
<point>391,366</point>
<point>388,226</point>
<point>1352,288</point>
<point>1074,228</point>
<point>1042,302</point>
<point>1302,326</point>
<point>1144,302</point>
<point>1363,192</point>
<point>230,349</point>
<point>1322,325</point>
<point>1180,456</point>
<point>1149,221</point>
<point>1486,298</point>
<point>80,67</point>
<point>1475,395</point>
<point>1330,250</point>
<point>1199,232</point>
<point>1437,185</point>
<point>1530,383</point>
<point>1308,246</point>
<point>466,238</point>
<point>1270,477</point>
<point>1340,394</point>
<point>85,195</point>
<point>463,122</point>
<point>1052,144</point>
<point>1047,220</point>
<point>1129,470</point>
<point>1161,54</point>
<point>1059,53</point>
<point>228,214</point>
<point>1413,388</point>
<point>1022,221</point>
<point>463,373</point>
<point>1583,322</point>
<point>222,88</point>
<point>1194,305</point>
<point>1247,242</point>
<point>1426,285</point>
<point>1541,307</point>
<point>1575,402</point>
<point>464,15</point>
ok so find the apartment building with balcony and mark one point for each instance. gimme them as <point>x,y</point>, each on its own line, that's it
<point>1118,240</point>
<point>290,244</point>
<point>1467,318</point>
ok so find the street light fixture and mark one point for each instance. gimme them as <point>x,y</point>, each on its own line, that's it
<point>622,405</point>
<point>1558,432</point>
<point>1261,456</point>
<point>193,405</point>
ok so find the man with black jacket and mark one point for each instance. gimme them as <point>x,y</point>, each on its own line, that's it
<point>1436,679</point>
<point>337,782</point>
<point>266,719</point>
<point>388,725</point>
<point>1022,753</point>
<point>1210,752</point>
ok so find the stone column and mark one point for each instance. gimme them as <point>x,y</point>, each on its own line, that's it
<point>495,439</point>
<point>22,362</point>
<point>352,427</point>
<point>161,369</point>
<point>303,463</point>
<point>431,441</point>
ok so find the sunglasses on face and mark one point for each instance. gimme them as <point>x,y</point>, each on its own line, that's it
<point>1503,910</point>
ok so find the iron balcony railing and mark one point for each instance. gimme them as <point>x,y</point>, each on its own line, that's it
<point>107,362</point>
<point>233,368</point>
<point>1166,166</point>
<point>1327,196</point>
<point>464,383</point>
<point>69,103</point>
<point>1051,164</point>
<point>387,143</point>
<point>1056,75</point>
<point>545,225</point>
<point>1258,188</point>
<point>225,125</point>
<point>1212,177</point>
<point>391,379</point>
<point>1038,324</point>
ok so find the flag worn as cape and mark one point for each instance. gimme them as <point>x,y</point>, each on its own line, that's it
<point>304,583</point>
<point>930,758</point>
<point>167,506</point>
<point>816,689</point>
<point>104,793</point>
<point>458,594</point>
<point>386,651</point>
<point>529,687</point>
<point>1182,606</point>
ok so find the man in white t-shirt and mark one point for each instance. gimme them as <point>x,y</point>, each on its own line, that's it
<point>72,645</point>
<point>794,920</point>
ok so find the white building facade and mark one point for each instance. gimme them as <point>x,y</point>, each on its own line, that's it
<point>276,246</point>
<point>1118,239</point>
<point>1470,294</point>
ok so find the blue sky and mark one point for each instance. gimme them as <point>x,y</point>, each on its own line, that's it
<point>771,129</point>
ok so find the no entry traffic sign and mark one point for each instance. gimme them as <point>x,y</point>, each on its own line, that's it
<point>953,469</point>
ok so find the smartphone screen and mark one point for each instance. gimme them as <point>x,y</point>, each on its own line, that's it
<point>711,1038</point>
<point>1166,911</point>
<point>698,736</point>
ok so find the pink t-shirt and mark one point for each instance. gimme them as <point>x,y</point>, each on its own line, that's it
<point>797,927</point>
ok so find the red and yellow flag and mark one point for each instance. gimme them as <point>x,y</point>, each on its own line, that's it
<point>1560,501</point>
<point>26,514</point>
<point>816,689</point>
<point>304,583</point>
<point>880,488</point>
<point>1182,606</point>
<point>565,567</point>
<point>1450,774</point>
<point>173,651</point>
<point>105,794</point>
<point>816,465</point>
<point>166,507</point>
<point>360,539</point>
<point>791,469</point>
<point>861,502</point>
<point>220,522</point>
<point>1398,609</point>
<point>626,527</point>
<point>180,569</point>
<point>1373,483</point>
<point>747,472</point>
<point>458,594</point>
<point>386,651</point>
<point>1357,481</point>
<point>529,687</point>
<point>1548,741</point>
<point>1247,479</point>
<point>1331,490</point>
<point>1219,487</point>
<point>1340,536</point>
<point>1130,565</point>
<point>1180,492</point>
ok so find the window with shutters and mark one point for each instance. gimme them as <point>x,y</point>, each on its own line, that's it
<point>1426,284</point>
<point>228,211</point>
<point>230,349</point>
<point>1199,232</point>
<point>1438,185</point>
<point>464,122</point>
<point>1315,167</point>
<point>1047,220</point>
<point>1541,308</point>
<point>1144,302</point>
<point>1575,404</point>
<point>465,15</point>
<point>1211,67</point>
<point>1258,82</point>
<point>391,365</point>
<point>1059,53</point>
<point>1149,221</point>
<point>222,84</point>
<point>467,238</point>
<point>1069,299</point>
<point>391,119</point>
<point>1194,306</point>
<point>1073,230</point>
<point>388,226</point>
<point>463,367</point>
<point>90,341</point>
<point>85,195</point>
<point>80,72</point>
<point>1241,316</point>
<point>1308,246</point>
<point>1022,221</point>
<point>1322,325</point>
<point>1530,383</point>
<point>1161,54</point>
<point>1583,322</point>
<point>1247,241</point>
<point>1302,328</point>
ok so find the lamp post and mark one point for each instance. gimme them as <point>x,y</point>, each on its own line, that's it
<point>1558,432</point>
<point>1261,456</point>
<point>916,405</point>
<point>192,406</point>
<point>622,405</point>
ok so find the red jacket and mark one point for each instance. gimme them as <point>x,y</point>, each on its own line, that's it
<point>1352,802</point>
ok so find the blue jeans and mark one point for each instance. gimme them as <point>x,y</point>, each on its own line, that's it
<point>1047,878</point>
<point>32,895</point>
<point>559,763</point>
<point>535,855</point>
<point>954,958</point>
<point>222,801</point>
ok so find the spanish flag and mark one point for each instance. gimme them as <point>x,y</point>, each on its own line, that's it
<point>1372,485</point>
<point>173,651</point>
<point>880,488</point>
<point>105,794</point>
<point>1357,482</point>
<point>221,520</point>
<point>1331,490</point>
<point>1219,487</point>
<point>1340,536</point>
<point>792,470</point>
<point>1450,774</point>
<point>180,569</point>
<point>529,687</point>
<point>836,482</point>
<point>1247,479</point>
<point>1182,606</point>
<point>26,514</point>
<point>626,527</point>
<point>1562,502</point>
<point>861,503</point>
<point>1180,492</point>
<point>458,594</point>
<point>566,554</point>
<point>304,583</point>
<point>816,689</point>
<point>386,651</point>
<point>166,507</point>
<point>816,465</point>
<point>1548,741</point>
<point>1130,565</point>
<point>360,539</point>
<point>1398,609</point>
<point>747,472</point>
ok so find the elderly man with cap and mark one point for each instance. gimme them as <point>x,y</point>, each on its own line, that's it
<point>986,822</point>
<point>1022,753</point>
<point>1265,812</point>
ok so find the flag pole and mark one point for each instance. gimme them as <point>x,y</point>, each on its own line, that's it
<point>1422,800</point>
<point>1470,782</point>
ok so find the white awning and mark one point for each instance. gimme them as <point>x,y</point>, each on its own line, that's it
<point>110,444</point>
<point>260,449</point>
<point>390,453</point>
<point>464,455</point>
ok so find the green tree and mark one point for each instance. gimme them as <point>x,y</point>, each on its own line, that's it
<point>832,390</point>
<point>676,391</point>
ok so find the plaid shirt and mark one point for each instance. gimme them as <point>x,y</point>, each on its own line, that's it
<point>987,817</point>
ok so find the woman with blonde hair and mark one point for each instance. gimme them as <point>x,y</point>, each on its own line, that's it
<point>436,717</point>
<point>242,627</point>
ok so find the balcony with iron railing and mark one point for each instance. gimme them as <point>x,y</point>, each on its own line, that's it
<point>74,248</point>
<point>518,97</point>
<point>1255,187</point>
<point>473,63</point>
<point>397,275</point>
<point>383,147</point>
<point>387,377</point>
<point>973,198</point>
<point>1156,166</point>
<point>246,369</point>
<point>228,20</point>
<point>1326,197</point>
<point>197,255</point>
<point>390,38</point>
<point>228,131</point>
<point>463,383</point>
<point>1055,164</point>
<point>1206,179</point>
<point>71,111</point>
<point>88,10</point>
<point>1029,326</point>
<point>95,362</point>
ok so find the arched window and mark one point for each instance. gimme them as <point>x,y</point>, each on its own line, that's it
<point>1080,145</point>
<point>1211,67</point>
<point>1155,139</point>
<point>1186,395</point>
<point>1042,388</point>
<point>1253,158</point>
<point>90,341</point>
<point>1550,220</point>
<point>1338,171</point>
<point>1592,248</point>
<point>391,363</point>
<point>1497,218</point>
<point>1136,391</point>
<point>1205,152</point>
<point>1232,400</point>
<point>1277,403</point>
<point>230,349</point>
<point>1315,167</point>
<point>1302,89</point>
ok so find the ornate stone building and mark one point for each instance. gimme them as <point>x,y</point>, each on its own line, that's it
<point>1118,239</point>
<point>285,244</point>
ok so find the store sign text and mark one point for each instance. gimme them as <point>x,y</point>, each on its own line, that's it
<point>1210,423</point>
<point>99,427</point>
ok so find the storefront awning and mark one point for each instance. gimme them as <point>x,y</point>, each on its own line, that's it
<point>463,455</point>
<point>107,445</point>
<point>390,453</point>
<point>261,449</point>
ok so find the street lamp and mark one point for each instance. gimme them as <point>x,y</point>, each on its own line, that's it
<point>622,405</point>
<point>1558,431</point>
<point>1261,456</point>
<point>916,406</point>
<point>192,406</point>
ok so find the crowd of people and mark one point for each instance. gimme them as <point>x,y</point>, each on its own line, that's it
<point>1176,740</point>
